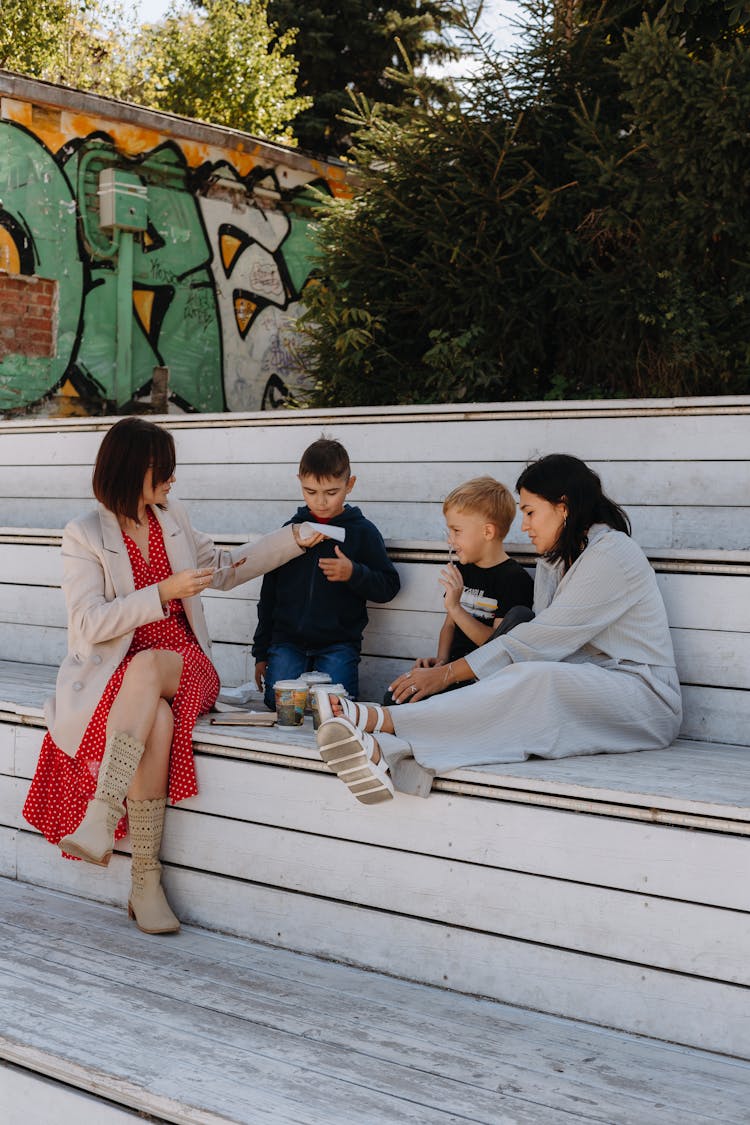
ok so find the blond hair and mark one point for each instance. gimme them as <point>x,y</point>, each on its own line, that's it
<point>488,498</point>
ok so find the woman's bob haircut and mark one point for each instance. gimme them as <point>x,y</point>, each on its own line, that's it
<point>562,479</point>
<point>129,449</point>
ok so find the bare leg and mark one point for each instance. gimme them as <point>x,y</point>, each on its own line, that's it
<point>152,775</point>
<point>142,711</point>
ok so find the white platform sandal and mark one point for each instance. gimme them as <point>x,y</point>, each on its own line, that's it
<point>347,751</point>
<point>355,713</point>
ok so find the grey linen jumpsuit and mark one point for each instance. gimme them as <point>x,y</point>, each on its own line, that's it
<point>594,672</point>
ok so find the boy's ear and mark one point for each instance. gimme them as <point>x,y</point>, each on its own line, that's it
<point>350,484</point>
<point>490,531</point>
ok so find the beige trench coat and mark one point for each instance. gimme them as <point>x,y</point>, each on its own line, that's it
<point>104,608</point>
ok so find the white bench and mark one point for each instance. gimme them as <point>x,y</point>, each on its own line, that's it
<point>610,889</point>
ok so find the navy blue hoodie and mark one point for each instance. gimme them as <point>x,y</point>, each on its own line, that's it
<point>298,605</point>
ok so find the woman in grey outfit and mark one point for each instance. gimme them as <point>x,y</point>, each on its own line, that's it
<point>592,672</point>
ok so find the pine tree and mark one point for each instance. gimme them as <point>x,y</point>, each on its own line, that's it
<point>349,46</point>
<point>573,227</point>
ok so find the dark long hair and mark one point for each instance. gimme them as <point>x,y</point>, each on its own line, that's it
<point>562,479</point>
<point>128,450</point>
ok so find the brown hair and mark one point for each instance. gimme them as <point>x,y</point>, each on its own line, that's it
<point>128,450</point>
<point>488,498</point>
<point>325,458</point>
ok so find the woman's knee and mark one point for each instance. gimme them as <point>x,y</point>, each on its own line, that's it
<point>155,669</point>
<point>515,616</point>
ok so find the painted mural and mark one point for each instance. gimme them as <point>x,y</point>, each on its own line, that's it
<point>208,286</point>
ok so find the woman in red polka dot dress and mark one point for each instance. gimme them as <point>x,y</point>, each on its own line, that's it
<point>138,671</point>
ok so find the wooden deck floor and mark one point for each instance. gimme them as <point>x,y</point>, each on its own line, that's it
<point>204,1028</point>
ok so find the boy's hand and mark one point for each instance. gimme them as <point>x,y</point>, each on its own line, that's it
<point>260,674</point>
<point>339,569</point>
<point>428,662</point>
<point>453,584</point>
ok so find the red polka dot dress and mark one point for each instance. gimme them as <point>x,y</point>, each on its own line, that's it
<point>62,786</point>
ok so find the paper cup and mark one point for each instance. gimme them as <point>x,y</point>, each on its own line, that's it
<point>291,696</point>
<point>313,679</point>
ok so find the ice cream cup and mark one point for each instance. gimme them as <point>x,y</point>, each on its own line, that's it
<point>291,696</point>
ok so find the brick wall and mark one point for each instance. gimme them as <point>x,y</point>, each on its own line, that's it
<point>28,316</point>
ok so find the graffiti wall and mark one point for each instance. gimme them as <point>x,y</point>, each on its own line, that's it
<point>204,279</point>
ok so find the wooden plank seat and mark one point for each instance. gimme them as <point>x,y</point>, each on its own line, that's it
<point>610,889</point>
<point>239,1032</point>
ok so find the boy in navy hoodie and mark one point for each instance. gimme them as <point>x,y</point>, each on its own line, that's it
<point>312,610</point>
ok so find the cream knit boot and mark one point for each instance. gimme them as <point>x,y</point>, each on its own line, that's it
<point>94,837</point>
<point>148,903</point>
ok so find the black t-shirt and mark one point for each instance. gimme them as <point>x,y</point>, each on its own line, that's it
<point>489,592</point>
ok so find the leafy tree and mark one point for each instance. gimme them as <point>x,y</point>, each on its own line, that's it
<point>223,64</point>
<point>29,33</point>
<point>536,239</point>
<point>354,47</point>
<point>82,43</point>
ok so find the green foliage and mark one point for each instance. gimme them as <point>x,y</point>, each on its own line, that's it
<point>84,43</point>
<point>29,33</point>
<point>573,227</point>
<point>359,47</point>
<point>222,64</point>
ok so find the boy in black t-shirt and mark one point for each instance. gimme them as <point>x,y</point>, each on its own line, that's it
<point>484,583</point>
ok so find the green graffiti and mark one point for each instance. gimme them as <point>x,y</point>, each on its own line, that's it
<point>39,215</point>
<point>205,283</point>
<point>175,319</point>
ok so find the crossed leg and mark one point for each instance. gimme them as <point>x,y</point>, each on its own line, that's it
<point>142,710</point>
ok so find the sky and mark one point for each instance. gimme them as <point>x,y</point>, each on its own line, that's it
<point>496,18</point>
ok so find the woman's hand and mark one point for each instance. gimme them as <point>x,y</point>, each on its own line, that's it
<point>311,541</point>
<point>453,584</point>
<point>427,662</point>
<point>185,584</point>
<point>418,684</point>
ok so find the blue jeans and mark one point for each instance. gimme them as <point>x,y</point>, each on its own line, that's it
<point>287,662</point>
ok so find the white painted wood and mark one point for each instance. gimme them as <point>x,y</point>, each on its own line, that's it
<point>30,565</point>
<point>558,859</point>
<point>707,780</point>
<point>668,1006</point>
<point>693,939</point>
<point>647,429</point>
<point>653,527</point>
<point>697,601</point>
<point>647,1001</point>
<point>691,866</point>
<point>635,483</point>
<point>398,1017</point>
<point>12,795</point>
<point>34,626</point>
<point>544,1064</point>
<point>27,1098</point>
<point>8,852</point>
<point>679,472</point>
